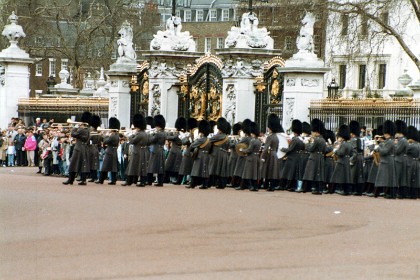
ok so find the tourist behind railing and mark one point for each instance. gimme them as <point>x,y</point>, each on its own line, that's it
<point>19,140</point>
<point>30,147</point>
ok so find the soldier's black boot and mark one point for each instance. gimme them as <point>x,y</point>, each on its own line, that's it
<point>70,180</point>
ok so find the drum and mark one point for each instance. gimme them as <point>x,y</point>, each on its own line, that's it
<point>241,146</point>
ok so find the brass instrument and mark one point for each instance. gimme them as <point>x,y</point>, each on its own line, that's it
<point>62,125</point>
<point>70,122</point>
<point>240,146</point>
<point>108,129</point>
<point>376,157</point>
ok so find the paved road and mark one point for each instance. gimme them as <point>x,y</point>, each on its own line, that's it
<point>52,231</point>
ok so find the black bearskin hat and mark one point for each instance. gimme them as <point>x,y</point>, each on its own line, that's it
<point>95,121</point>
<point>139,121</point>
<point>306,128</point>
<point>344,132</point>
<point>159,121</point>
<point>181,124</point>
<point>246,126</point>
<point>236,128</point>
<point>297,127</point>
<point>150,121</point>
<point>86,117</point>
<point>354,127</point>
<point>114,123</point>
<point>273,123</point>
<point>192,123</point>
<point>317,126</point>
<point>389,128</point>
<point>212,124</point>
<point>329,135</point>
<point>204,127</point>
<point>412,133</point>
<point>223,125</point>
<point>254,129</point>
<point>401,127</point>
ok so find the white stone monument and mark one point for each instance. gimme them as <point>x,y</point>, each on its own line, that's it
<point>120,75</point>
<point>303,76</point>
<point>14,72</point>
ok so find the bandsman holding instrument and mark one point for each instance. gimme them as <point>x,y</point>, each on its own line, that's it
<point>79,161</point>
<point>110,163</point>
<point>218,164</point>
<point>157,157</point>
<point>413,163</point>
<point>373,171</point>
<point>174,159</point>
<point>385,179</point>
<point>187,161</point>
<point>356,160</point>
<point>137,165</point>
<point>240,162</point>
<point>401,145</point>
<point>251,172</point>
<point>291,166</point>
<point>95,143</point>
<point>343,151</point>
<point>329,158</point>
<point>233,156</point>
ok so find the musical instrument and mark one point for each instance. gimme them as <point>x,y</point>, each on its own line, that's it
<point>283,143</point>
<point>376,157</point>
<point>60,125</point>
<point>107,130</point>
<point>69,121</point>
<point>240,146</point>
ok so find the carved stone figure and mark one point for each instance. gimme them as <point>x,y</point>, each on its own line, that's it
<point>305,41</point>
<point>125,44</point>
<point>13,32</point>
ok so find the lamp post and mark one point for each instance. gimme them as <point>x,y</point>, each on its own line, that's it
<point>333,89</point>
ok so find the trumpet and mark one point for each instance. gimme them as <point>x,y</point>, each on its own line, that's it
<point>63,125</point>
<point>108,130</point>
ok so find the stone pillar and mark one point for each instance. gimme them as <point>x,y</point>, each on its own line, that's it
<point>301,85</point>
<point>163,99</point>
<point>238,99</point>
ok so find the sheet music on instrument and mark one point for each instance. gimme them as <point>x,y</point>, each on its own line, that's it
<point>283,143</point>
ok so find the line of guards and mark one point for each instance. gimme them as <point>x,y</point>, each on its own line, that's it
<point>313,160</point>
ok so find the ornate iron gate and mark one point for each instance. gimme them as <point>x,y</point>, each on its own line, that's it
<point>269,99</point>
<point>201,94</point>
<point>140,97</point>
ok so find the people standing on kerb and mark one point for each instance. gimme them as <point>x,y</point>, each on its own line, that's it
<point>110,162</point>
<point>79,162</point>
<point>157,157</point>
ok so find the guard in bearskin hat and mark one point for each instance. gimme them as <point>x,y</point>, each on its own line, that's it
<point>240,161</point>
<point>200,153</point>
<point>250,174</point>
<point>79,162</point>
<point>330,140</point>
<point>219,155</point>
<point>174,159</point>
<point>304,156</point>
<point>95,144</point>
<point>290,171</point>
<point>314,171</point>
<point>233,156</point>
<point>136,171</point>
<point>401,146</point>
<point>157,155</point>
<point>413,163</point>
<point>356,159</point>
<point>270,164</point>
<point>110,162</point>
<point>343,150</point>
<point>385,179</point>
<point>187,161</point>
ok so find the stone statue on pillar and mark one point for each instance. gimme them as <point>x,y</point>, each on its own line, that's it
<point>13,32</point>
<point>305,41</point>
<point>125,44</point>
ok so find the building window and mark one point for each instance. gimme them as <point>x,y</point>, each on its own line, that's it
<point>212,15</point>
<point>344,24</point>
<point>220,43</point>
<point>288,43</point>
<point>64,63</point>
<point>382,76</point>
<point>225,15</point>
<point>187,15</point>
<point>364,26</point>
<point>362,76</point>
<point>207,45</point>
<point>52,67</point>
<point>38,69</point>
<point>342,78</point>
<point>199,15</point>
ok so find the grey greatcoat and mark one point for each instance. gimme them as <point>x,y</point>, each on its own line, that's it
<point>110,162</point>
<point>137,165</point>
<point>218,162</point>
<point>174,159</point>
<point>413,165</point>
<point>200,166</point>
<point>314,170</point>
<point>94,146</point>
<point>269,158</point>
<point>342,173</point>
<point>233,156</point>
<point>187,161</point>
<point>79,161</point>
<point>303,158</point>
<point>386,168</point>
<point>291,166</point>
<point>240,162</point>
<point>157,156</point>
<point>401,162</point>
<point>329,164</point>
<point>356,162</point>
<point>252,160</point>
